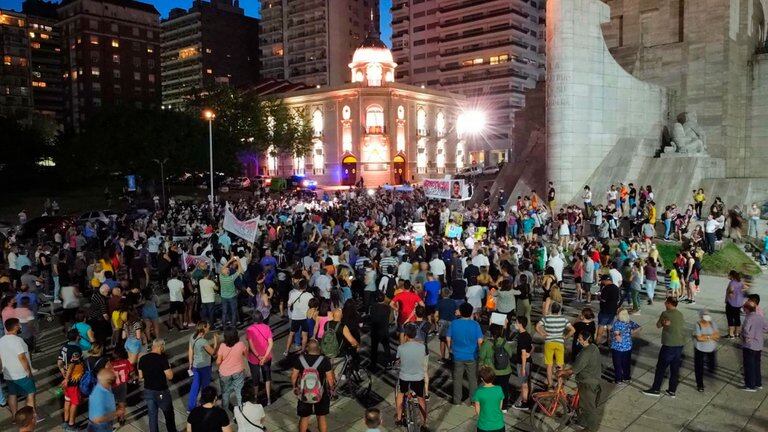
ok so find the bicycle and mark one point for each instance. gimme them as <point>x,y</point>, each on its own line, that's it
<point>412,412</point>
<point>553,410</point>
<point>353,381</point>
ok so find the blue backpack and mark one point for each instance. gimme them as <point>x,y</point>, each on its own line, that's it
<point>88,380</point>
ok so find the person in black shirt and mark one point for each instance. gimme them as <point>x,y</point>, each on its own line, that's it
<point>98,318</point>
<point>523,361</point>
<point>208,417</point>
<point>471,273</point>
<point>322,408</point>
<point>155,371</point>
<point>381,317</point>
<point>610,298</point>
<point>551,197</point>
<point>585,323</point>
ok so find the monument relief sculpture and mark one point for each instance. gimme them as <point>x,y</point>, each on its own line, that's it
<point>687,135</point>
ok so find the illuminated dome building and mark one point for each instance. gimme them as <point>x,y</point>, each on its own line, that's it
<point>373,128</point>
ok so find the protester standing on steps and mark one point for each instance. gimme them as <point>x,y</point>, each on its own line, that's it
<point>672,323</point>
<point>156,372</point>
<point>464,338</point>
<point>199,353</point>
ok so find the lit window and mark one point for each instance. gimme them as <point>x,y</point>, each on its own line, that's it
<point>374,73</point>
<point>35,44</point>
<point>440,124</point>
<point>74,74</point>
<point>208,51</point>
<point>94,40</point>
<point>374,119</point>
<point>44,36</point>
<point>187,52</point>
<point>346,112</point>
<point>41,84</point>
<point>150,50</point>
<point>32,34</point>
<point>115,58</point>
<point>95,71</point>
<point>421,122</point>
<point>494,60</point>
<point>115,43</point>
<point>317,122</point>
<point>209,71</point>
<point>477,61</point>
<point>7,60</point>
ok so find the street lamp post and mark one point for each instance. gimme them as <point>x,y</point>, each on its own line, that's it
<point>162,177</point>
<point>210,115</point>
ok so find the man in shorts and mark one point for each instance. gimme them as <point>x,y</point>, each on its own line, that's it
<point>320,409</point>
<point>298,305</point>
<point>413,362</point>
<point>555,328</point>
<point>17,367</point>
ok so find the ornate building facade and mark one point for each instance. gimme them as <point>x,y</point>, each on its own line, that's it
<point>376,129</point>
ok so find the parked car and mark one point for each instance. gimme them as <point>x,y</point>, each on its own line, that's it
<point>263,181</point>
<point>49,224</point>
<point>97,216</point>
<point>236,183</point>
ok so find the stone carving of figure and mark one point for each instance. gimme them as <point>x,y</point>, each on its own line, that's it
<point>687,135</point>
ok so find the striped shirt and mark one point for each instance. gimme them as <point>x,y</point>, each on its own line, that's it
<point>388,265</point>
<point>554,326</point>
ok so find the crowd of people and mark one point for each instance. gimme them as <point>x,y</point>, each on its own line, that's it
<point>351,277</point>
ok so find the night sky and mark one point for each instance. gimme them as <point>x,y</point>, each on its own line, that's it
<point>251,8</point>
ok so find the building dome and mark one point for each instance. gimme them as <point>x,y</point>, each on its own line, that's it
<point>372,62</point>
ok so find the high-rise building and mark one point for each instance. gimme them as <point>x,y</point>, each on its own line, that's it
<point>213,42</point>
<point>312,41</point>
<point>112,55</point>
<point>45,59</point>
<point>15,92</point>
<point>489,50</point>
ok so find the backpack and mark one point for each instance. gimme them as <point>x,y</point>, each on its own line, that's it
<point>391,285</point>
<point>500,356</point>
<point>329,343</point>
<point>310,384</point>
<point>88,380</point>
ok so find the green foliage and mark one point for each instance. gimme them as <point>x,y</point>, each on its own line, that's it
<point>123,139</point>
<point>249,123</point>
<point>730,257</point>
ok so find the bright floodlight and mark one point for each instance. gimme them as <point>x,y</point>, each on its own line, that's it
<point>371,192</point>
<point>471,122</point>
<point>209,115</point>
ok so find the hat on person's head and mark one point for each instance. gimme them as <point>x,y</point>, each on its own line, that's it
<point>704,315</point>
<point>605,277</point>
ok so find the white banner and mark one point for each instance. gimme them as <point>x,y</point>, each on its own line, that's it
<point>243,229</point>
<point>445,189</point>
<point>420,228</point>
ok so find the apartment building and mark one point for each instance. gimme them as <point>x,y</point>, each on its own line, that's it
<point>15,77</point>
<point>45,59</point>
<point>211,43</point>
<point>488,50</point>
<point>312,41</point>
<point>112,55</point>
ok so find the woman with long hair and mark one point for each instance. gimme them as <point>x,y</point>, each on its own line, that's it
<point>150,314</point>
<point>134,336</point>
<point>260,346</point>
<point>199,352</point>
<point>621,346</point>
<point>735,296</point>
<point>230,359</point>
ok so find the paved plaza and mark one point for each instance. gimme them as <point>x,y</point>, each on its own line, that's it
<point>722,407</point>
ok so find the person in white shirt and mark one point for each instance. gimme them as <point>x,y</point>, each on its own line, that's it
<point>250,416</point>
<point>298,305</point>
<point>404,269</point>
<point>176,297</point>
<point>557,264</point>
<point>17,366</point>
<point>437,267</point>
<point>479,259</point>
<point>469,242</point>
<point>710,234</point>
<point>615,275</point>
<point>475,294</point>
<point>323,283</point>
<point>208,290</point>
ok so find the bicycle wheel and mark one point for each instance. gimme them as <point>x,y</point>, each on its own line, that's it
<point>542,421</point>
<point>360,382</point>
<point>413,417</point>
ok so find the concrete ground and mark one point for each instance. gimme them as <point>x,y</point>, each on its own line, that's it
<point>722,407</point>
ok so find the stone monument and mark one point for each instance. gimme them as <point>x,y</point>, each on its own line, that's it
<point>687,136</point>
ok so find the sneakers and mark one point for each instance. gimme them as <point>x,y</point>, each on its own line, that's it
<point>670,394</point>
<point>749,389</point>
<point>521,406</point>
<point>651,392</point>
<point>700,389</point>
